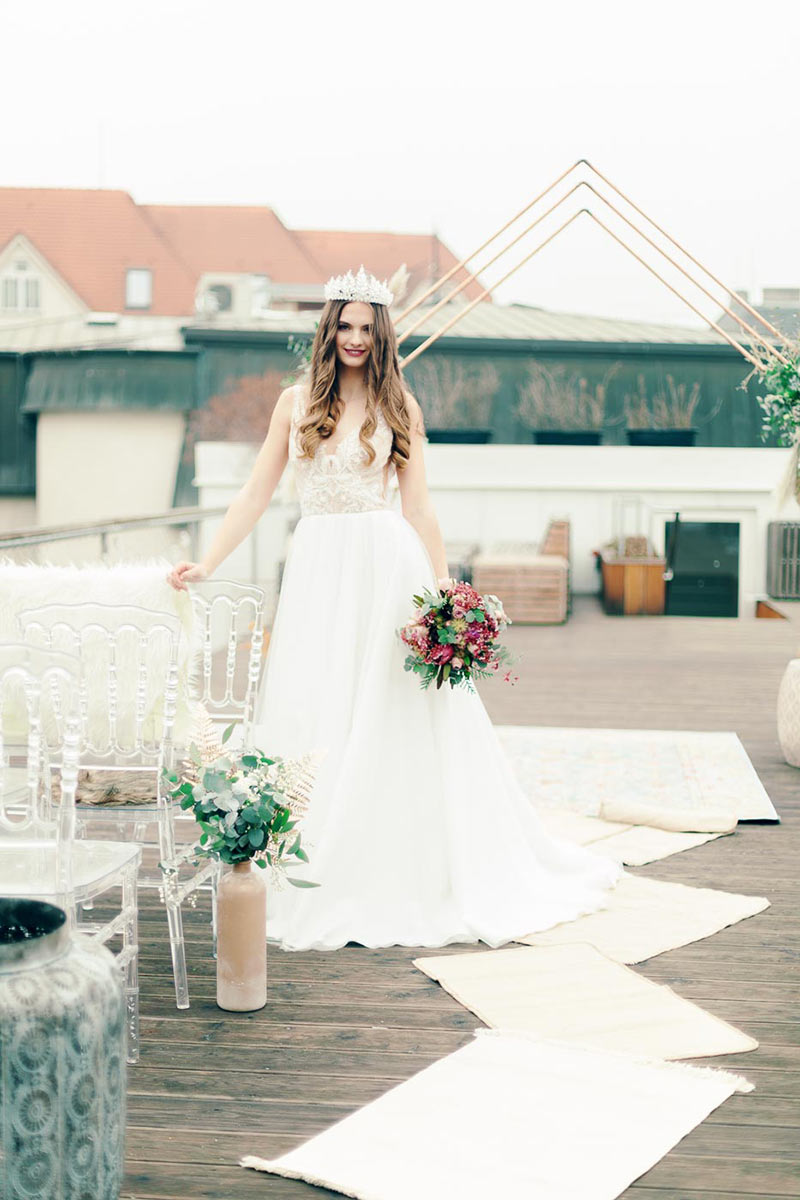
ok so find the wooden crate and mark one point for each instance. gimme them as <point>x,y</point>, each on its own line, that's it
<point>633,586</point>
<point>533,588</point>
<point>556,539</point>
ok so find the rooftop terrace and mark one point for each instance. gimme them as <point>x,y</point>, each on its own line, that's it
<point>341,1028</point>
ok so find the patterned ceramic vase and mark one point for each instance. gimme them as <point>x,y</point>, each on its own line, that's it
<point>789,713</point>
<point>242,939</point>
<point>62,1059</point>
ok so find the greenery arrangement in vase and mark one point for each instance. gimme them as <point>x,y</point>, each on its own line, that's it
<point>561,408</point>
<point>248,807</point>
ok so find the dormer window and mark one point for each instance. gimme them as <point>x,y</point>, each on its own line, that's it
<point>20,291</point>
<point>138,287</point>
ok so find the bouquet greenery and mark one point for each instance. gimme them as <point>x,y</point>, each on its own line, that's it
<point>454,637</point>
<point>248,806</point>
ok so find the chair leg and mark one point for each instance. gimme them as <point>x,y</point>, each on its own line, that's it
<point>166,835</point>
<point>130,946</point>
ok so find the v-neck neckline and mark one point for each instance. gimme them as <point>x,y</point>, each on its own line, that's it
<point>341,442</point>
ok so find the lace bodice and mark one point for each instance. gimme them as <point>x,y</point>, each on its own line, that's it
<point>342,481</point>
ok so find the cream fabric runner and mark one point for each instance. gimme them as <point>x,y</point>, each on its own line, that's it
<point>510,1115</point>
<point>645,917</point>
<point>575,994</point>
<point>671,778</point>
<point>633,845</point>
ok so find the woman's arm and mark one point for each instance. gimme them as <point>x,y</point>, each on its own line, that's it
<point>249,503</point>
<point>416,502</point>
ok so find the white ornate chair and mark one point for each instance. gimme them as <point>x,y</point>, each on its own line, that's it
<point>227,614</point>
<point>130,657</point>
<point>40,693</point>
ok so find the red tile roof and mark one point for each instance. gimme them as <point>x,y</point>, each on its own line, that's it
<point>91,236</point>
<point>426,257</point>
<point>234,238</point>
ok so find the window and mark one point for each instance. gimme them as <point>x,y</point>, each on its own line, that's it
<point>222,297</point>
<point>9,292</point>
<point>138,287</point>
<point>19,289</point>
<point>32,293</point>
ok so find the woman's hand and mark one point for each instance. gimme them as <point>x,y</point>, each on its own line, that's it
<point>444,585</point>
<point>186,572</point>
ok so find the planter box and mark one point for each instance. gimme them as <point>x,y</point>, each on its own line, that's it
<point>462,436</point>
<point>661,437</point>
<point>567,437</point>
<point>633,586</point>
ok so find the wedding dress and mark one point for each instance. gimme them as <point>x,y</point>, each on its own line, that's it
<point>417,832</point>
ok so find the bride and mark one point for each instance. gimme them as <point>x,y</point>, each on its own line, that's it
<point>417,832</point>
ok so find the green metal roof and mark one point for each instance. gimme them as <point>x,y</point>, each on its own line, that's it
<point>102,381</point>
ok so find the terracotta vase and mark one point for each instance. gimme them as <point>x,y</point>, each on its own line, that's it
<point>789,713</point>
<point>242,939</point>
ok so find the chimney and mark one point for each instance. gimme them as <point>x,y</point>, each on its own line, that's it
<point>781,297</point>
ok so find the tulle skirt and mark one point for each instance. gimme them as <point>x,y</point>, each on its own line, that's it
<point>418,832</point>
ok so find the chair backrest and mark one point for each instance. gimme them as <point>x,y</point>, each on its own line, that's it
<point>227,615</point>
<point>130,676</point>
<point>46,686</point>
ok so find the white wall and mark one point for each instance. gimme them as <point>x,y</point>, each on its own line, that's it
<point>508,493</point>
<point>17,512</point>
<point>94,466</point>
<point>498,494</point>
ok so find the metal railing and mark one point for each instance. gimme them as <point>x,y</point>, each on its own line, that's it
<point>188,518</point>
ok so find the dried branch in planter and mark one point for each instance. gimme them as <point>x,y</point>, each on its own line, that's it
<point>549,398</point>
<point>451,393</point>
<point>673,406</point>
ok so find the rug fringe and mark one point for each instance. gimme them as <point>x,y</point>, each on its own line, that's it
<point>272,1167</point>
<point>738,1082</point>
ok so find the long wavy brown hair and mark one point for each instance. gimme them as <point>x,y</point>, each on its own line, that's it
<point>386,389</point>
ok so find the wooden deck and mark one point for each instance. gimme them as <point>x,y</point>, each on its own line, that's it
<point>340,1028</point>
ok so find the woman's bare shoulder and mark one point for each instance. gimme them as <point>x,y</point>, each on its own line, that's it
<point>295,394</point>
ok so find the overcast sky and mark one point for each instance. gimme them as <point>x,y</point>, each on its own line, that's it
<point>421,115</point>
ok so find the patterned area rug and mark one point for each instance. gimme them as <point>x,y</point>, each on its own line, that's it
<point>638,776</point>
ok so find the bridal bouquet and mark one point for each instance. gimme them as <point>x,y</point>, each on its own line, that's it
<point>454,637</point>
<point>248,806</point>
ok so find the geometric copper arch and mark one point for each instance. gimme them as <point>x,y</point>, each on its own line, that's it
<point>762,337</point>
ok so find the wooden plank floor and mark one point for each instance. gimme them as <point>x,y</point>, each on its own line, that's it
<point>340,1028</point>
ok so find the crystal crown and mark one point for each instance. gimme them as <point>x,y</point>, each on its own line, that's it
<point>361,286</point>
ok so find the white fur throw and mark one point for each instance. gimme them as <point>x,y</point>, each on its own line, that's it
<point>144,584</point>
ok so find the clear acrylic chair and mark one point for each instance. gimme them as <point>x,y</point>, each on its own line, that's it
<point>130,657</point>
<point>40,703</point>
<point>227,614</point>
